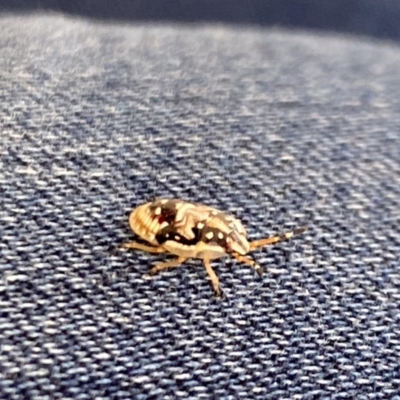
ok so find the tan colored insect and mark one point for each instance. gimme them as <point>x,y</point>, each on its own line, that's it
<point>191,230</point>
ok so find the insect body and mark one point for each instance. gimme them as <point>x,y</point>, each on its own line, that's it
<point>191,230</point>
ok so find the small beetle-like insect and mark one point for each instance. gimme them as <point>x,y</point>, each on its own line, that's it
<point>191,230</point>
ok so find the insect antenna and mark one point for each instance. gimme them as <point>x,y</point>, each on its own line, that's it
<point>276,239</point>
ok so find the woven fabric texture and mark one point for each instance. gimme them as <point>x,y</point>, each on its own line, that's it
<point>280,129</point>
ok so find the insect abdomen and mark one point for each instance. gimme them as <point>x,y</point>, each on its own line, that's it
<point>143,223</point>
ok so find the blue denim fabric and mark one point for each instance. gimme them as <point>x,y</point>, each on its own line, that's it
<point>278,128</point>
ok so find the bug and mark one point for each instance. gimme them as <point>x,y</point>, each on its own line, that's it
<point>193,230</point>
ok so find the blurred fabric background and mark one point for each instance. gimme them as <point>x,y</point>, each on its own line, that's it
<point>105,105</point>
<point>365,17</point>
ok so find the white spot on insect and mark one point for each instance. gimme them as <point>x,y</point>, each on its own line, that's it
<point>164,224</point>
<point>209,235</point>
<point>157,211</point>
<point>220,235</point>
<point>200,225</point>
<point>167,235</point>
<point>163,201</point>
<point>177,238</point>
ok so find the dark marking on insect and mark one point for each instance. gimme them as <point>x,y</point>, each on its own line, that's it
<point>169,233</point>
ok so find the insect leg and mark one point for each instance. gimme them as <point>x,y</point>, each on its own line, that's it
<point>276,239</point>
<point>213,277</point>
<point>168,264</point>
<point>249,261</point>
<point>138,246</point>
